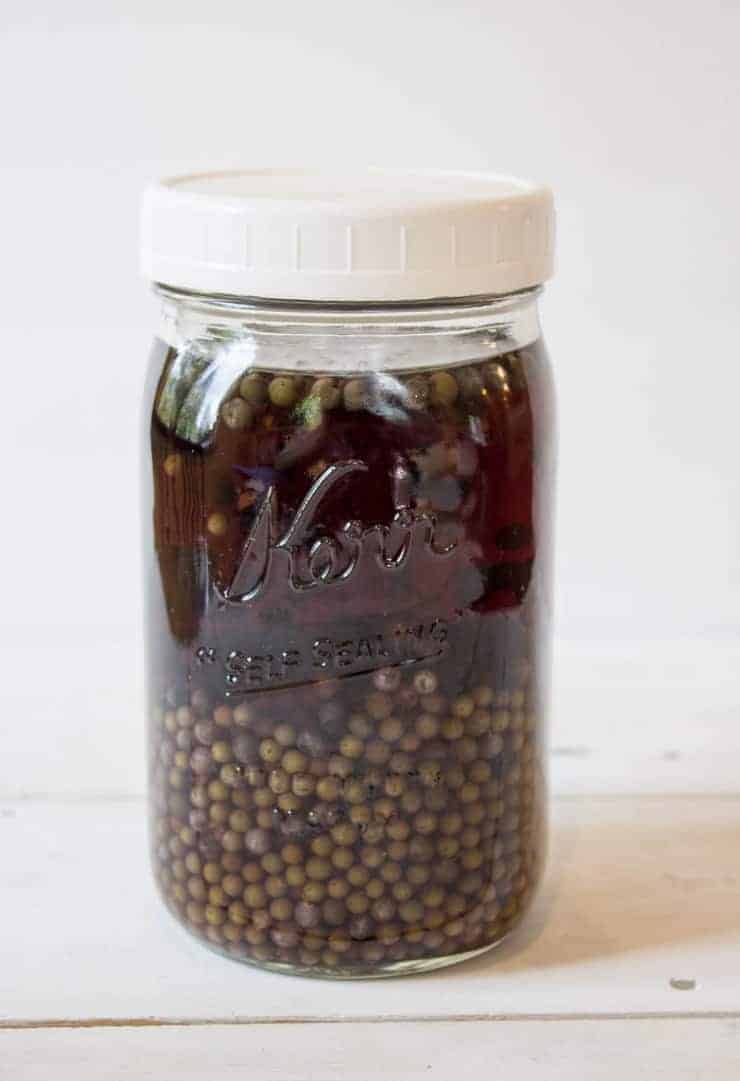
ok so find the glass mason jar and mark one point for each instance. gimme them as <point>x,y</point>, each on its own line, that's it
<point>348,503</point>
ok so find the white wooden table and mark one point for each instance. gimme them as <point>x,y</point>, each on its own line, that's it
<point>628,967</point>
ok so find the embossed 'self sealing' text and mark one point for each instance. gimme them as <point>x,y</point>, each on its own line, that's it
<point>329,656</point>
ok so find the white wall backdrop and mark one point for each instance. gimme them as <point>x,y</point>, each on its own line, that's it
<point>629,111</point>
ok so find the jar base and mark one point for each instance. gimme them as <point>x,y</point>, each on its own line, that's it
<point>414,967</point>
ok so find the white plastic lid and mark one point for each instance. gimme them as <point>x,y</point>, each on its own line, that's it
<point>371,235</point>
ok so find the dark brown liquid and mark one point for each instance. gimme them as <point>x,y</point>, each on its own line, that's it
<point>345,662</point>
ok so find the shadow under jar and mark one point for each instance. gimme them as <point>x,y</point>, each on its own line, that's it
<point>348,507</point>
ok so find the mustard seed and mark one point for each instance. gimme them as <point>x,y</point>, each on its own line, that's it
<point>295,876</point>
<point>327,393</point>
<point>328,789</point>
<point>253,389</point>
<point>303,784</point>
<point>351,747</point>
<point>314,892</point>
<point>279,781</point>
<point>221,751</point>
<point>172,465</point>
<point>242,715</point>
<point>425,682</point>
<point>275,886</point>
<point>285,735</point>
<point>319,869</point>
<point>337,888</point>
<point>390,730</point>
<point>282,391</point>
<point>357,903</point>
<point>452,728</point>
<point>289,803</point>
<point>237,414</point>
<point>358,875</point>
<point>217,524</point>
<point>342,858</point>
<point>214,915</point>
<point>443,388</point>
<point>269,751</point>
<point>294,761</point>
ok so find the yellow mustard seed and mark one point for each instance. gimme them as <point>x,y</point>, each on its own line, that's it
<point>357,903</point>
<point>314,891</point>
<point>295,876</point>
<point>215,915</point>
<point>351,747</point>
<point>318,869</point>
<point>443,388</point>
<point>328,789</point>
<point>253,389</point>
<point>269,750</point>
<point>338,888</point>
<point>217,524</point>
<point>322,846</point>
<point>221,751</point>
<point>327,393</point>
<point>285,735</point>
<point>237,414</point>
<point>282,391</point>
<point>172,465</point>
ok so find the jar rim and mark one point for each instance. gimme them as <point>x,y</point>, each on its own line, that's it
<point>311,336</point>
<point>349,311</point>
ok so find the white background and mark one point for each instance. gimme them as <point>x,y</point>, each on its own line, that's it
<point>629,111</point>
